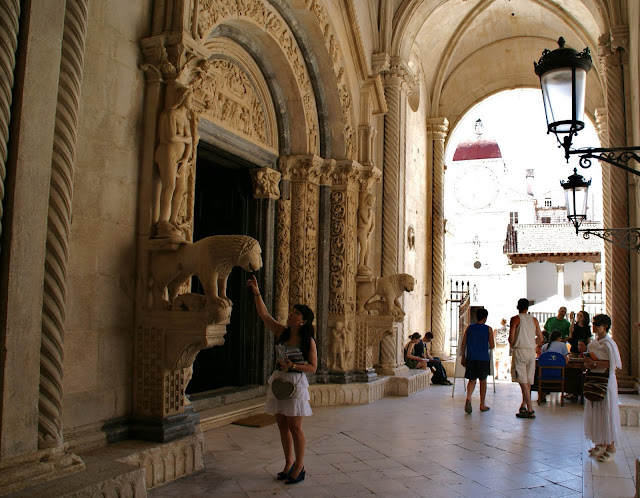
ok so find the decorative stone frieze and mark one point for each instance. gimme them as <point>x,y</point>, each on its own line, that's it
<point>266,183</point>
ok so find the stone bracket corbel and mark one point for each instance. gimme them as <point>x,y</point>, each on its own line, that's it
<point>185,334</point>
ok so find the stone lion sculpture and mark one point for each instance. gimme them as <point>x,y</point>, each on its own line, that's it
<point>211,260</point>
<point>390,288</point>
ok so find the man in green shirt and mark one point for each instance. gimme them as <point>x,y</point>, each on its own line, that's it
<point>559,322</point>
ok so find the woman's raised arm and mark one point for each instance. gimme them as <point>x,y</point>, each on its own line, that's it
<point>269,322</point>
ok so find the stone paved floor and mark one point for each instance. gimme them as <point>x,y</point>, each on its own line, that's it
<point>424,445</point>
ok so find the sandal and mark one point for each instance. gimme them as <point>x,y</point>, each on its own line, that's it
<point>607,456</point>
<point>597,451</point>
<point>526,414</point>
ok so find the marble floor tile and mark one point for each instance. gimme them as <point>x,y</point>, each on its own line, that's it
<point>439,451</point>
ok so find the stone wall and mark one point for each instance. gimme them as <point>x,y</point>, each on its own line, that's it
<point>98,342</point>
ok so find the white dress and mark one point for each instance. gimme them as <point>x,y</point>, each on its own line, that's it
<point>298,404</point>
<point>602,418</point>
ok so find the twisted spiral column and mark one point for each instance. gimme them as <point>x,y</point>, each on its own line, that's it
<point>391,174</point>
<point>9,26</point>
<point>618,265</point>
<point>437,129</point>
<point>58,224</point>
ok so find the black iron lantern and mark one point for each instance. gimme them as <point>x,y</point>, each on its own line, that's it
<point>576,191</point>
<point>563,79</point>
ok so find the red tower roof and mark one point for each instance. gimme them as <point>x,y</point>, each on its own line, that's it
<point>477,149</point>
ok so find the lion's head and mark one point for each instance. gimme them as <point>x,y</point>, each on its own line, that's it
<point>408,282</point>
<point>251,256</point>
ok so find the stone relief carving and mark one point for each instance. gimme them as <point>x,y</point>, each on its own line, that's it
<point>366,224</point>
<point>211,260</point>
<point>265,183</point>
<point>175,156</point>
<point>390,288</point>
<point>224,94</point>
<point>341,347</point>
<point>261,13</point>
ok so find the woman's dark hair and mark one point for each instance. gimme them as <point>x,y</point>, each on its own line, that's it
<point>586,317</point>
<point>555,335</point>
<point>545,336</point>
<point>305,332</point>
<point>414,336</point>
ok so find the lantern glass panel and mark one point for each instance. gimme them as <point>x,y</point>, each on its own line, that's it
<point>577,199</point>
<point>558,98</point>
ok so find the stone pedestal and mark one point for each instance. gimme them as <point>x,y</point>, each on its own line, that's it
<point>166,344</point>
<point>377,346</point>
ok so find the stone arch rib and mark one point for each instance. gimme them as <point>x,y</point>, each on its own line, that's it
<point>9,26</point>
<point>59,223</point>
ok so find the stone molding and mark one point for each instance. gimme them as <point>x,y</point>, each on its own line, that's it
<point>9,26</point>
<point>347,394</point>
<point>59,224</point>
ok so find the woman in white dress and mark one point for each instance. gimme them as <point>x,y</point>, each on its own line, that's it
<point>295,337</point>
<point>602,418</point>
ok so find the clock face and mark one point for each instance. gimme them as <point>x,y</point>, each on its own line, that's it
<point>476,187</point>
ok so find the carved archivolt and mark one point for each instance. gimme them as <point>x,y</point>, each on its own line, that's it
<point>212,13</point>
<point>333,47</point>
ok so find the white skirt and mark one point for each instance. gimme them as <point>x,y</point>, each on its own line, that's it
<point>295,406</point>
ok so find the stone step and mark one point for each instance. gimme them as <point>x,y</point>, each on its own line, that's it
<point>629,410</point>
<point>101,477</point>
<point>223,415</point>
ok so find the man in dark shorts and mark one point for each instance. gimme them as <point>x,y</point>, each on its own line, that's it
<point>475,346</point>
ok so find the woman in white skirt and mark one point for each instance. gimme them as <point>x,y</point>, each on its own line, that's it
<point>296,335</point>
<point>602,418</point>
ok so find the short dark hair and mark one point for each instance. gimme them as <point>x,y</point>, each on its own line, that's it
<point>481,314</point>
<point>523,304</point>
<point>604,320</point>
<point>429,335</point>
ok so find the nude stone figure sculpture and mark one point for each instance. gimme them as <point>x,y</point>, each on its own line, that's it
<point>366,224</point>
<point>174,155</point>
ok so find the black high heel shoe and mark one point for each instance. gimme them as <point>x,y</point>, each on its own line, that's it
<point>296,480</point>
<point>284,475</point>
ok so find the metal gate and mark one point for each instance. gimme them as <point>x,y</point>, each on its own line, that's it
<point>459,304</point>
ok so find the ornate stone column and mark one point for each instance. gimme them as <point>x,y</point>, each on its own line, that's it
<point>324,270</point>
<point>343,257</point>
<point>32,384</point>
<point>560,279</point>
<point>304,172</point>
<point>396,81</point>
<point>9,25</point>
<point>283,245</point>
<point>612,49</point>
<point>437,129</point>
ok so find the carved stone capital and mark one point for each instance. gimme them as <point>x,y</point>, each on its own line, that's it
<point>370,175</point>
<point>380,62</point>
<point>437,128</point>
<point>400,74</point>
<point>327,171</point>
<point>172,57</point>
<point>347,173</point>
<point>620,38</point>
<point>265,183</point>
<point>301,168</point>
